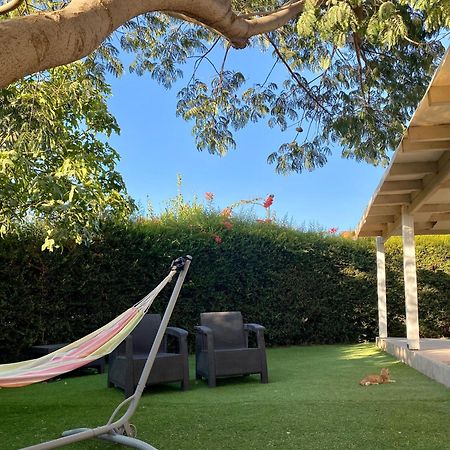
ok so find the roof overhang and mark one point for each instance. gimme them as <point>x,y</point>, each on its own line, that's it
<point>417,180</point>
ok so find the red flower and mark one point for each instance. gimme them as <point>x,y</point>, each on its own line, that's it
<point>209,196</point>
<point>268,202</point>
<point>228,225</point>
<point>264,220</point>
<point>226,212</point>
<point>218,239</point>
<point>333,230</point>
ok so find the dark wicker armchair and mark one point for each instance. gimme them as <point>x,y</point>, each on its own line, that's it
<point>127,361</point>
<point>221,347</point>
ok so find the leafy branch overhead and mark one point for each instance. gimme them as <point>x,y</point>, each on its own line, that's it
<point>354,70</point>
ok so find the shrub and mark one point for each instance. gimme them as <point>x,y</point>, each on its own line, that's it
<point>304,287</point>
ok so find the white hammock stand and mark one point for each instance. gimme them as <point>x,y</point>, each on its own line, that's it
<point>121,431</point>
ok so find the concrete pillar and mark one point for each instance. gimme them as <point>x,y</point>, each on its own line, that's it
<point>381,288</point>
<point>410,275</point>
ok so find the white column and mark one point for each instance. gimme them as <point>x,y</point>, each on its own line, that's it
<point>381,288</point>
<point>410,275</point>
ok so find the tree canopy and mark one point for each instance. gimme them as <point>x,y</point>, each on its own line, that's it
<point>55,168</point>
<point>355,71</point>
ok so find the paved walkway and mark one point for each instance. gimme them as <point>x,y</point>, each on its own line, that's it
<point>433,358</point>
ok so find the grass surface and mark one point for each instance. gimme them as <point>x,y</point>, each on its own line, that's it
<point>313,401</point>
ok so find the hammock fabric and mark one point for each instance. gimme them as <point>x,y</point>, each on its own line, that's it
<point>89,348</point>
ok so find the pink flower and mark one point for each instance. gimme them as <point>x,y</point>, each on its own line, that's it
<point>209,196</point>
<point>228,225</point>
<point>264,220</point>
<point>268,202</point>
<point>218,239</point>
<point>333,230</point>
<point>226,212</point>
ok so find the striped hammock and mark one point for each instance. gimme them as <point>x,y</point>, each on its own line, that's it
<point>89,348</point>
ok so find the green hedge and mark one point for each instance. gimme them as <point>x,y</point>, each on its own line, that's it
<point>304,287</point>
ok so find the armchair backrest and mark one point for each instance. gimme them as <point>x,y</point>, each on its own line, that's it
<point>227,328</point>
<point>145,332</point>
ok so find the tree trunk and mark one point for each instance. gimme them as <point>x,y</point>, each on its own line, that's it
<point>40,41</point>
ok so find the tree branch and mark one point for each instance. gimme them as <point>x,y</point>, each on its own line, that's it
<point>267,13</point>
<point>357,47</point>
<point>222,68</point>
<point>275,20</point>
<point>220,82</point>
<point>201,58</point>
<point>40,41</point>
<point>10,6</point>
<point>297,79</point>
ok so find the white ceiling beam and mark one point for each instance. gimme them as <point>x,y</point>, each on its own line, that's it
<point>432,231</point>
<point>436,217</point>
<point>379,219</point>
<point>407,146</point>
<point>401,187</point>
<point>438,95</point>
<point>393,228</point>
<point>434,208</point>
<point>432,186</point>
<point>396,199</point>
<point>375,227</point>
<point>425,225</point>
<point>371,233</point>
<point>420,199</point>
<point>429,133</point>
<point>443,226</point>
<point>385,210</point>
<point>415,168</point>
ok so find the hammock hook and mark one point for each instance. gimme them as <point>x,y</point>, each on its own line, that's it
<point>178,264</point>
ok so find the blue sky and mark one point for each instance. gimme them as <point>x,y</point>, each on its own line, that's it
<point>155,146</point>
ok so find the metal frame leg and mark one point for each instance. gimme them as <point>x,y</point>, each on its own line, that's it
<point>117,438</point>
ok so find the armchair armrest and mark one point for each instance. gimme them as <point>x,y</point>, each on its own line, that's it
<point>254,327</point>
<point>181,336</point>
<point>176,332</point>
<point>204,339</point>
<point>259,331</point>
<point>201,329</point>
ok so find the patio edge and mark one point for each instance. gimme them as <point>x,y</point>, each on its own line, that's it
<point>420,360</point>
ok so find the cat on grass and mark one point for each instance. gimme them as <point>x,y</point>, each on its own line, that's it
<point>383,378</point>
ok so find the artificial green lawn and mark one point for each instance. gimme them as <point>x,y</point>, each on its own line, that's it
<point>313,401</point>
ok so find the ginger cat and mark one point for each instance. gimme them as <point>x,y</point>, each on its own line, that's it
<point>383,378</point>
